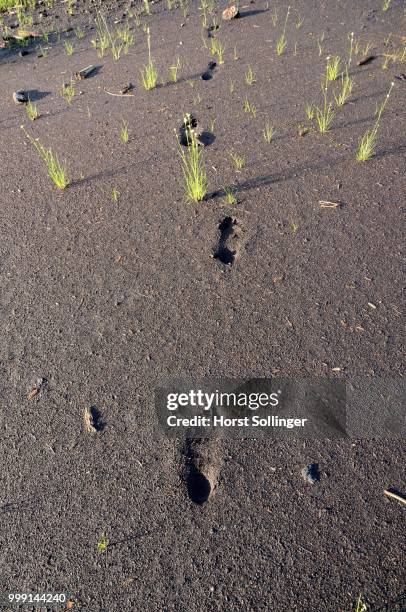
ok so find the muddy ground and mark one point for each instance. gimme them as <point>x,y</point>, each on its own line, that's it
<point>102,300</point>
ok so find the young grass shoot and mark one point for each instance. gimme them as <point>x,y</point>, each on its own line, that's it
<point>68,92</point>
<point>149,74</point>
<point>325,115</point>
<point>367,145</point>
<point>32,111</point>
<point>239,161</point>
<point>56,171</point>
<point>268,132</point>
<point>194,173</point>
<point>282,42</point>
<point>333,68</point>
<point>124,134</point>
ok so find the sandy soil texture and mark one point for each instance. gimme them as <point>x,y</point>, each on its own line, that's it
<point>117,283</point>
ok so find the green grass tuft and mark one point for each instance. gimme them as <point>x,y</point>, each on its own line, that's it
<point>149,74</point>
<point>194,173</point>
<point>269,132</point>
<point>32,111</point>
<point>333,68</point>
<point>367,145</point>
<point>56,171</point>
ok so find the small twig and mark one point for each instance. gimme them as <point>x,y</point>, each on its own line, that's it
<point>327,204</point>
<point>119,95</point>
<point>398,498</point>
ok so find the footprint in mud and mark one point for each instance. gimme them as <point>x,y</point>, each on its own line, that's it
<point>228,245</point>
<point>208,74</point>
<point>200,473</point>
<point>189,128</point>
<point>93,420</point>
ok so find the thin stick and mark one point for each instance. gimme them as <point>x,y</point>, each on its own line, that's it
<point>398,498</point>
<point>327,204</point>
<point>119,95</point>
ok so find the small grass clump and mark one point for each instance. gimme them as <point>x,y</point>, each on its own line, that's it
<point>107,39</point>
<point>124,134</point>
<point>5,5</point>
<point>398,56</point>
<point>115,194</point>
<point>218,50</point>
<point>127,38</point>
<point>250,108</point>
<point>299,22</point>
<point>361,605</point>
<point>149,74</point>
<point>386,4</point>
<point>320,41</point>
<point>367,145</point>
<point>325,115</point>
<point>269,132</point>
<point>173,71</point>
<point>184,7</point>
<point>347,84</point>
<point>282,42</point>
<point>238,160</point>
<point>194,173</point>
<point>229,196</point>
<point>333,68</point>
<point>69,48</point>
<point>32,111</point>
<point>80,33</point>
<point>102,544</point>
<point>206,8</point>
<point>309,110</point>
<point>69,7</point>
<point>249,76</point>
<point>102,42</point>
<point>56,171</point>
<point>68,92</point>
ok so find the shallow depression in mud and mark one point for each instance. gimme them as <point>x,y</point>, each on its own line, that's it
<point>198,486</point>
<point>223,253</point>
